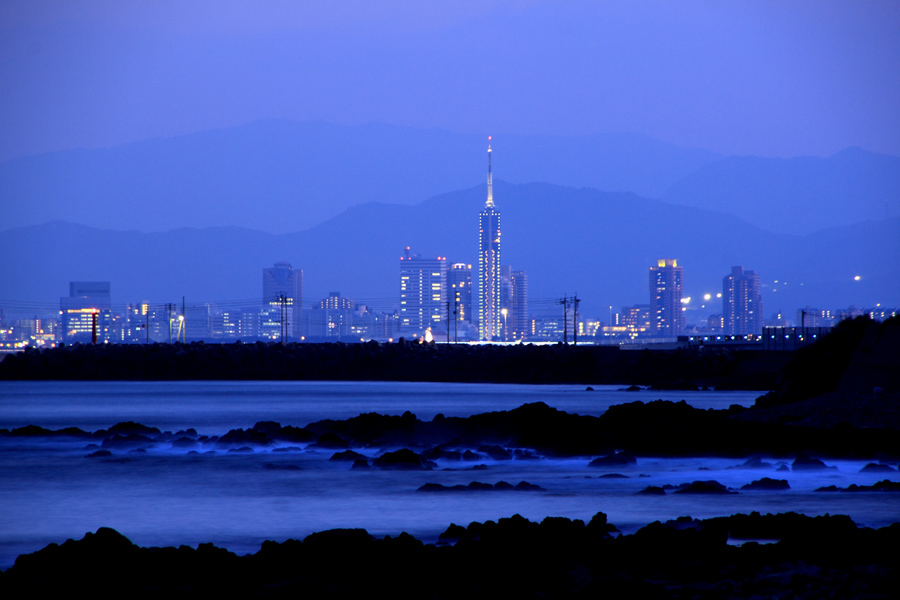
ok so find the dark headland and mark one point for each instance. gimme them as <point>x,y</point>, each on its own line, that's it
<point>839,397</point>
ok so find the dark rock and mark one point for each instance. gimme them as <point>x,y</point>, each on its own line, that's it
<point>266,427</point>
<point>477,486</point>
<point>767,484</point>
<point>524,486</point>
<point>453,532</point>
<point>613,476</point>
<point>404,459</point>
<point>131,428</point>
<point>806,463</point>
<point>877,468</point>
<point>653,490</point>
<point>882,486</point>
<point>634,388</point>
<point>346,455</point>
<point>331,441</point>
<point>99,454</point>
<point>703,487</point>
<point>432,487</point>
<point>360,464</point>
<point>754,462</point>
<point>239,438</point>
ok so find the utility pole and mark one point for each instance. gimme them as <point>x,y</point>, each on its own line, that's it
<point>148,324</point>
<point>282,300</point>
<point>183,323</point>
<point>169,308</point>
<point>565,304</point>
<point>455,321</point>
<point>575,302</point>
<point>448,321</point>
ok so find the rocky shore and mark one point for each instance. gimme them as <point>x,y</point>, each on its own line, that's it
<point>742,556</point>
<point>624,432</point>
<point>850,411</point>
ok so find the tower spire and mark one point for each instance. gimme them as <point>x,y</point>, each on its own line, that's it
<point>490,198</point>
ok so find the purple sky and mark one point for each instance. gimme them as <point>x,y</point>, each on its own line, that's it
<point>766,78</point>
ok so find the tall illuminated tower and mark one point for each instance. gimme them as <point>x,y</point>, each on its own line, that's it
<point>489,264</point>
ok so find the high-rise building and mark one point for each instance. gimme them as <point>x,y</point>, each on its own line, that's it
<point>459,290</point>
<point>86,312</point>
<point>489,265</point>
<point>513,304</point>
<point>666,286</point>
<point>423,292</point>
<point>283,289</point>
<point>741,303</point>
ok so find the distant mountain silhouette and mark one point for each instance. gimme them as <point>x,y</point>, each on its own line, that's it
<point>796,195</point>
<point>568,240</point>
<point>282,176</point>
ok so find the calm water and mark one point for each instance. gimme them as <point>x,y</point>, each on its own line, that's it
<point>49,491</point>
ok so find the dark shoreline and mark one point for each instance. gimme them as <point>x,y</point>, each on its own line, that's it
<point>402,361</point>
<point>658,428</point>
<point>799,557</point>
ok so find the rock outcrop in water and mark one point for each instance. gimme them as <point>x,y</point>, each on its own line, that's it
<point>811,557</point>
<point>614,439</point>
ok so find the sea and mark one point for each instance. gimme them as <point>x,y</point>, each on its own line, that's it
<point>50,490</point>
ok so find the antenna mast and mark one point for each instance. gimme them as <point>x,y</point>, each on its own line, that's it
<point>490,198</point>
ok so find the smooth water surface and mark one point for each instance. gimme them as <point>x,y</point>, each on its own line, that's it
<point>50,490</point>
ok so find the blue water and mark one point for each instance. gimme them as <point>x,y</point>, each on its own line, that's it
<point>50,491</point>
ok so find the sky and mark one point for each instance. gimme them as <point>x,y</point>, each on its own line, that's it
<point>774,79</point>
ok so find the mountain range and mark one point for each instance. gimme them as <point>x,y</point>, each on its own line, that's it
<point>598,244</point>
<point>282,177</point>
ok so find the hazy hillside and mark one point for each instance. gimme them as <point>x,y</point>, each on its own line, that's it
<point>598,244</point>
<point>797,195</point>
<point>282,176</point>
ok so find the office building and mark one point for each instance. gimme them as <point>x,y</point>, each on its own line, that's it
<point>741,303</point>
<point>283,289</point>
<point>85,313</point>
<point>459,288</point>
<point>423,292</point>
<point>513,304</point>
<point>666,288</point>
<point>489,265</point>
